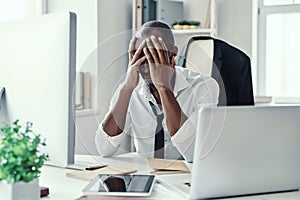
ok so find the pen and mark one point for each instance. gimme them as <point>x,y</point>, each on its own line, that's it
<point>169,187</point>
<point>95,167</point>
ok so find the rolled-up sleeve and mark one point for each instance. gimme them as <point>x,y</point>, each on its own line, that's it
<point>107,145</point>
<point>206,94</point>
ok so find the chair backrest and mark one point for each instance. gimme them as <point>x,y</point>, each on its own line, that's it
<point>228,65</point>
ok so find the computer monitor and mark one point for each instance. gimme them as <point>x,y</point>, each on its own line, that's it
<point>37,70</point>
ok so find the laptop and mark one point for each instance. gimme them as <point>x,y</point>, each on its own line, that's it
<point>243,151</point>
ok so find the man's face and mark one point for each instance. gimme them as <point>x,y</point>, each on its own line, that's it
<point>145,72</point>
<point>144,68</point>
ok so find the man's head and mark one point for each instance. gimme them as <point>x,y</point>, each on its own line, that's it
<point>157,29</point>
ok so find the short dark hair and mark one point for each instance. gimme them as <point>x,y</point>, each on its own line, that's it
<point>165,32</point>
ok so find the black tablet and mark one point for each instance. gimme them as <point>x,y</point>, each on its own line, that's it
<point>121,185</point>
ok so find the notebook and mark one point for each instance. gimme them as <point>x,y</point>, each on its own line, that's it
<point>88,175</point>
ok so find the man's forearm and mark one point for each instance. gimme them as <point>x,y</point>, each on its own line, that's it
<point>173,113</point>
<point>114,123</point>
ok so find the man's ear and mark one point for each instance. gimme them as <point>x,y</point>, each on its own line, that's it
<point>174,51</point>
<point>173,55</point>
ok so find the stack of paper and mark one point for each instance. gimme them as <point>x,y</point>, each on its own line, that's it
<point>83,91</point>
<point>163,166</point>
<point>87,175</point>
<point>79,91</point>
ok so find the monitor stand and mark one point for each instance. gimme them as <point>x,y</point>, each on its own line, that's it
<point>1,91</point>
<point>3,112</point>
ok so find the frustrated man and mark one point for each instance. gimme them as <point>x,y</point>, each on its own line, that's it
<point>158,102</point>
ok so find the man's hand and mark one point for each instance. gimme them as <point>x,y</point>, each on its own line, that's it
<point>132,76</point>
<point>161,71</point>
<point>114,122</point>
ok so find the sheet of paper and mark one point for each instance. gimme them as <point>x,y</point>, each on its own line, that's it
<point>164,166</point>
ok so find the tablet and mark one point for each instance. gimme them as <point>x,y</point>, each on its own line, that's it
<point>120,185</point>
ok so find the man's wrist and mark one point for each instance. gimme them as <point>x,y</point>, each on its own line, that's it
<point>163,90</point>
<point>127,88</point>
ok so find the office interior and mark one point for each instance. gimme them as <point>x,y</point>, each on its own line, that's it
<point>265,30</point>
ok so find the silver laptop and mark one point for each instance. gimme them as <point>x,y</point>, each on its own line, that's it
<point>243,150</point>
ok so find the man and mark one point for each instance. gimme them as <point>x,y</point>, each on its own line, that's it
<point>156,93</point>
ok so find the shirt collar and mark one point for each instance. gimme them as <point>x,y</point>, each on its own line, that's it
<point>180,84</point>
<point>144,90</point>
<point>180,81</point>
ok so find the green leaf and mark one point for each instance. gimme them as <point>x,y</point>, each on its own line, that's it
<point>16,122</point>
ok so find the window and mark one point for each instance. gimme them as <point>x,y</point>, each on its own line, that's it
<point>280,2</point>
<point>279,48</point>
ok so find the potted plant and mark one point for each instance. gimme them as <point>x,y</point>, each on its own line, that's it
<point>20,162</point>
<point>185,24</point>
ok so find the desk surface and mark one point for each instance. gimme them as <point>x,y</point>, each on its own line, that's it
<point>62,187</point>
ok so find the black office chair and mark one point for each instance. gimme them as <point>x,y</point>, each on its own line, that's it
<point>231,68</point>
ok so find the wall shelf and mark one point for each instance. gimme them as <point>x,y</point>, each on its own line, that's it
<point>86,112</point>
<point>207,31</point>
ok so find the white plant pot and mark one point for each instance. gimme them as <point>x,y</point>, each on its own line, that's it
<point>20,190</point>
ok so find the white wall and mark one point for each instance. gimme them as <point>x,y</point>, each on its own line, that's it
<point>16,10</point>
<point>87,33</point>
<point>196,10</point>
<point>235,23</point>
<point>234,20</point>
<point>86,11</point>
<point>104,30</point>
<point>115,31</point>
<point>115,19</point>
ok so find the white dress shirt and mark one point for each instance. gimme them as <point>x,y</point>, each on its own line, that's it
<point>191,90</point>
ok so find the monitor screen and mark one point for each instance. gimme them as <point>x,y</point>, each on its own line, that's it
<point>37,70</point>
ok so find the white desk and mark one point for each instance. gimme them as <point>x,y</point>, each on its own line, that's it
<point>65,188</point>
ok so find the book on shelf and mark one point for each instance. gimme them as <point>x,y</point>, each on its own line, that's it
<point>208,13</point>
<point>83,91</point>
<point>79,91</point>
<point>144,11</point>
<point>86,90</point>
<point>138,9</point>
<point>169,11</point>
<point>262,99</point>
